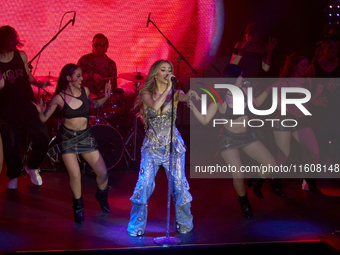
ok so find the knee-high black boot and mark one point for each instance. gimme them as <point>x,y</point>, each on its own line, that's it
<point>78,210</point>
<point>257,185</point>
<point>101,196</point>
<point>245,206</point>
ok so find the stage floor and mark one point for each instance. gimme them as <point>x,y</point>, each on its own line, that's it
<point>37,219</point>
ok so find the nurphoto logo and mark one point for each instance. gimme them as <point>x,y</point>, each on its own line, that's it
<point>238,104</point>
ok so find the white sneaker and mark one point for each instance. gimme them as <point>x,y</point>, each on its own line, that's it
<point>12,184</point>
<point>35,176</point>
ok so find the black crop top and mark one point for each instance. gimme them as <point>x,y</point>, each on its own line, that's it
<point>229,112</point>
<point>82,111</point>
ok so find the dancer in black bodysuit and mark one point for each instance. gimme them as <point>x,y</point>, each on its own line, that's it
<point>327,117</point>
<point>251,55</point>
<point>17,111</point>
<point>2,84</point>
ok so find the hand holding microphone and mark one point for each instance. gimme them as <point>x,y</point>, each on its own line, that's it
<point>171,77</point>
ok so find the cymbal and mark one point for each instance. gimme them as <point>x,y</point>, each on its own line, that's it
<point>46,78</point>
<point>136,76</point>
<point>130,85</point>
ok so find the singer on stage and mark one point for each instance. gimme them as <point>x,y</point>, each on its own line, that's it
<point>154,101</point>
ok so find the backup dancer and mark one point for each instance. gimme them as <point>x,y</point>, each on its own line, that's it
<point>74,136</point>
<point>234,138</point>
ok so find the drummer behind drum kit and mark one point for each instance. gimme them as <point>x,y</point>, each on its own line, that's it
<point>111,143</point>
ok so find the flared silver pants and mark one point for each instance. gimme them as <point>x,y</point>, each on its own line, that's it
<point>151,160</point>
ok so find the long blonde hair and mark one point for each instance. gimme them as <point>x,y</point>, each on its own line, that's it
<point>150,86</point>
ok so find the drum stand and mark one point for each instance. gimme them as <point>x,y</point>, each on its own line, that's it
<point>97,119</point>
<point>132,134</point>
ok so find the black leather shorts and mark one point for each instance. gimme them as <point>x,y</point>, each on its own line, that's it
<point>229,140</point>
<point>76,142</point>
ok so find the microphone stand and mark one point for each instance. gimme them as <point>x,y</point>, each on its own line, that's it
<point>169,240</point>
<point>54,37</point>
<point>180,56</point>
<point>43,48</point>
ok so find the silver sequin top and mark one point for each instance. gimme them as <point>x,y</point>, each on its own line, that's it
<point>159,129</point>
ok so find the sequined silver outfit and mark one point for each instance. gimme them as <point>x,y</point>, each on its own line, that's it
<point>154,153</point>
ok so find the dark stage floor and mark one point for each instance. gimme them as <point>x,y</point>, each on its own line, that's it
<point>40,219</point>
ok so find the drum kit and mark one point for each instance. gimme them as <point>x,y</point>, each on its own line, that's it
<point>105,123</point>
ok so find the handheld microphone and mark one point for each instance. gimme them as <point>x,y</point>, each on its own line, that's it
<point>147,24</point>
<point>74,18</point>
<point>174,79</point>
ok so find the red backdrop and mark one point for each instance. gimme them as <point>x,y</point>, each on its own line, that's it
<point>195,27</point>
